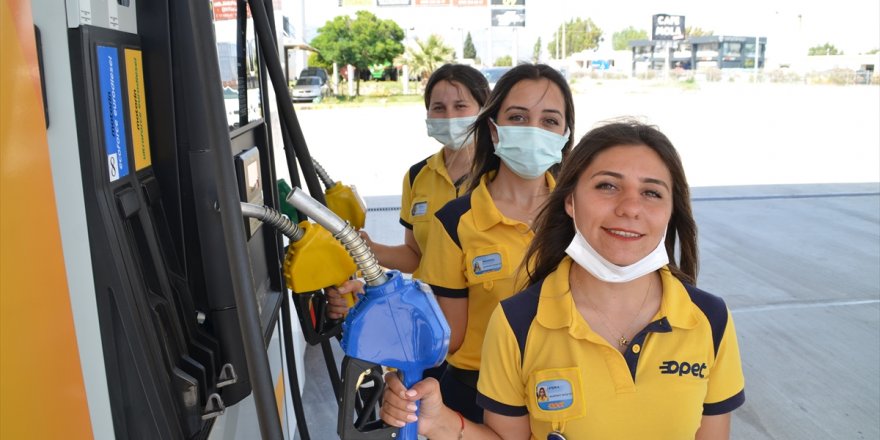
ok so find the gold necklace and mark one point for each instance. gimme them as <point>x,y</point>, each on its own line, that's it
<point>622,341</point>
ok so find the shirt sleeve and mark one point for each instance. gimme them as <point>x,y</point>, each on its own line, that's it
<point>501,388</point>
<point>442,265</point>
<point>726,389</point>
<point>406,203</point>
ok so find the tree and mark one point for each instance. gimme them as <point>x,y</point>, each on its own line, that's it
<point>430,55</point>
<point>505,60</point>
<point>469,50</point>
<point>825,49</point>
<point>872,51</point>
<point>620,40</point>
<point>579,35</point>
<point>316,61</point>
<point>696,32</point>
<point>361,41</point>
<point>536,52</point>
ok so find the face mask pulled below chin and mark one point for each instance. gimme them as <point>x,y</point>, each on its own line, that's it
<point>584,255</point>
<point>529,151</point>
<point>451,132</point>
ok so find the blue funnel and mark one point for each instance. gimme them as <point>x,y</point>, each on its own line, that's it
<point>398,324</point>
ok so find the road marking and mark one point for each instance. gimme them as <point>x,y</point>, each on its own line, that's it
<point>784,196</point>
<point>802,305</point>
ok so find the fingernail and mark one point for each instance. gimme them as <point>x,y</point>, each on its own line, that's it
<point>411,407</point>
<point>411,393</point>
<point>412,417</point>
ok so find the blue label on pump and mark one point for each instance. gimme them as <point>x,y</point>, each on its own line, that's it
<point>111,110</point>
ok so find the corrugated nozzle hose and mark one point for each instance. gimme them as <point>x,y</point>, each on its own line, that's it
<point>355,245</point>
<point>323,175</point>
<point>273,218</point>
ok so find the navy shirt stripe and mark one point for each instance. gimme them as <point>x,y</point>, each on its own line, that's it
<point>450,215</point>
<point>416,169</point>
<point>500,408</point>
<point>449,293</point>
<point>520,311</point>
<point>725,406</point>
<point>714,309</point>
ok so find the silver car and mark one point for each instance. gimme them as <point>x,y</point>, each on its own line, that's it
<point>493,74</point>
<point>308,89</point>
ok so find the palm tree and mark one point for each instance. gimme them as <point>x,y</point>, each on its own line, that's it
<point>430,55</point>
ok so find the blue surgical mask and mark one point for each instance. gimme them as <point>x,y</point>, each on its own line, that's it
<point>529,151</point>
<point>451,132</point>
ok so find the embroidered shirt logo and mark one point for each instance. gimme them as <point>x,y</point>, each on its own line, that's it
<point>683,368</point>
<point>487,263</point>
<point>419,209</point>
<point>554,395</point>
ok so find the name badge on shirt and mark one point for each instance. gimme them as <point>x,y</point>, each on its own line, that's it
<point>419,209</point>
<point>554,395</point>
<point>487,263</point>
<point>557,395</point>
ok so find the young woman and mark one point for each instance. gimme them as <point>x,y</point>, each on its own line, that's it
<point>477,241</point>
<point>611,328</point>
<point>454,95</point>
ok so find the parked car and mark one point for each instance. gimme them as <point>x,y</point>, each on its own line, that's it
<point>319,72</point>
<point>308,89</point>
<point>492,74</point>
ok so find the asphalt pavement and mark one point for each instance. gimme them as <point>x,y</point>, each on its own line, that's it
<point>799,267</point>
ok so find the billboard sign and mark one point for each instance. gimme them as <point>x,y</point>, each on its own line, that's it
<point>393,2</point>
<point>667,27</point>
<point>508,17</point>
<point>508,2</point>
<point>469,2</point>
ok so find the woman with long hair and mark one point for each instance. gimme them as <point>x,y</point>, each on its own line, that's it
<point>612,326</point>
<point>477,241</point>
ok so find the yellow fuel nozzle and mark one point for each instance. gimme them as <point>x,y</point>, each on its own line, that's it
<point>345,202</point>
<point>317,260</point>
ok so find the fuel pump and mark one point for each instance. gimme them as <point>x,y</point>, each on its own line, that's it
<point>396,323</point>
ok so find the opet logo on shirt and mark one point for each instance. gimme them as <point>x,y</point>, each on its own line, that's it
<point>683,368</point>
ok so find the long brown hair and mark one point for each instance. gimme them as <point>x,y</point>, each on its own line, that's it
<point>463,74</point>
<point>485,159</point>
<point>554,228</point>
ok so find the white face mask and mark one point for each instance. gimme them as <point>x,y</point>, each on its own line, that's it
<point>451,132</point>
<point>587,257</point>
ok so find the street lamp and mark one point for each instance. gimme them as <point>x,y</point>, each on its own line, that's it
<point>460,48</point>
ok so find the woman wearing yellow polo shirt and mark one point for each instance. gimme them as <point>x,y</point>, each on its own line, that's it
<point>454,95</point>
<point>477,241</point>
<point>615,333</point>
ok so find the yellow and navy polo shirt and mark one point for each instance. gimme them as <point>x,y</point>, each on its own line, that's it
<point>474,252</point>
<point>426,188</point>
<point>683,365</point>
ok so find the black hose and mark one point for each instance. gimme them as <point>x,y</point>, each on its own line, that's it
<point>289,121</point>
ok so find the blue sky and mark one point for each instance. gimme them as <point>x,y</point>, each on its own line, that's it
<point>851,25</point>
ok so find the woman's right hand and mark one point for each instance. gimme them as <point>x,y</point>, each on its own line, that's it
<point>399,404</point>
<point>337,305</point>
<point>366,238</point>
